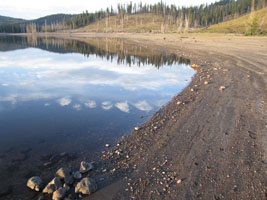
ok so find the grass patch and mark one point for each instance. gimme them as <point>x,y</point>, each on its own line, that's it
<point>249,24</point>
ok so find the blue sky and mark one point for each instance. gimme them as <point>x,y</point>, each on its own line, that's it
<point>32,9</point>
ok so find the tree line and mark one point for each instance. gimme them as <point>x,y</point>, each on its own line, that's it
<point>184,17</point>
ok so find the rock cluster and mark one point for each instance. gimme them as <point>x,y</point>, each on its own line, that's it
<point>64,181</point>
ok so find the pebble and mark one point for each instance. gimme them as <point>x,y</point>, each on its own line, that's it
<point>222,88</point>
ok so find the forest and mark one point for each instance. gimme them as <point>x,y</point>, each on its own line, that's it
<point>191,17</point>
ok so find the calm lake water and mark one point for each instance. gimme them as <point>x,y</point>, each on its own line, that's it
<point>63,97</point>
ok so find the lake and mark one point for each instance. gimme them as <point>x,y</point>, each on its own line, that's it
<point>66,99</point>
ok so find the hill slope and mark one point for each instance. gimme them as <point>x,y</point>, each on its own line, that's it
<point>10,20</point>
<point>147,22</point>
<point>242,24</point>
<point>51,19</point>
<point>154,23</point>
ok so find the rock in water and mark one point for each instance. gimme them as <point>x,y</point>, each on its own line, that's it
<point>63,172</point>
<point>77,175</point>
<point>59,194</point>
<point>35,183</point>
<point>86,186</point>
<point>85,167</point>
<point>53,186</point>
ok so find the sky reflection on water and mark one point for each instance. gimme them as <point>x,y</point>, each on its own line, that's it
<point>43,93</point>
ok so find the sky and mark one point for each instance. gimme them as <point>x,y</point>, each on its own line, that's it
<point>32,9</point>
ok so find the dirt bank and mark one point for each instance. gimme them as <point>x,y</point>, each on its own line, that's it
<point>206,143</point>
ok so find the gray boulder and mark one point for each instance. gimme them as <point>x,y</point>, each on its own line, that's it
<point>86,186</point>
<point>63,172</point>
<point>53,185</point>
<point>35,183</point>
<point>77,175</point>
<point>59,194</point>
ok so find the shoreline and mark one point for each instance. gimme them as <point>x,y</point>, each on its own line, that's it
<point>200,141</point>
<point>199,145</point>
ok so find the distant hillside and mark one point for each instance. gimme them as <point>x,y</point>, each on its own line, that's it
<point>48,23</point>
<point>242,24</point>
<point>10,20</point>
<point>146,22</point>
<point>51,19</point>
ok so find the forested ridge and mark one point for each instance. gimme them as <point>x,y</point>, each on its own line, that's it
<point>186,17</point>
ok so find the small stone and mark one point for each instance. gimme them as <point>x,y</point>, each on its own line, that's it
<point>86,186</point>
<point>59,194</point>
<point>63,172</point>
<point>195,66</point>
<point>35,183</point>
<point>77,175</point>
<point>222,88</point>
<point>136,128</point>
<point>85,167</point>
<point>235,188</point>
<point>104,170</point>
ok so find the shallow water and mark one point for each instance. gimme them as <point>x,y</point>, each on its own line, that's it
<point>68,96</point>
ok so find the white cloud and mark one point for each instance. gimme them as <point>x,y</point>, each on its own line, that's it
<point>5,84</point>
<point>107,105</point>
<point>47,104</point>
<point>90,104</point>
<point>16,97</point>
<point>65,101</point>
<point>77,107</point>
<point>143,106</point>
<point>123,106</point>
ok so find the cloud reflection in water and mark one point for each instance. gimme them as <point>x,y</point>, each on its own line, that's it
<point>32,74</point>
